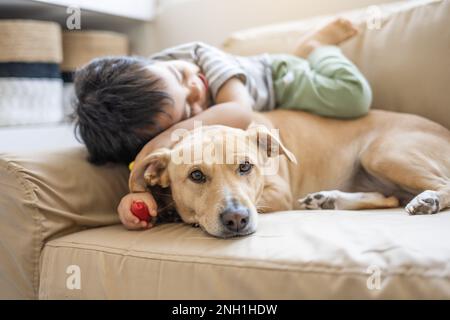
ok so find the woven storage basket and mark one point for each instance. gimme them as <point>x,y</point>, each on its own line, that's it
<point>30,80</point>
<point>80,47</point>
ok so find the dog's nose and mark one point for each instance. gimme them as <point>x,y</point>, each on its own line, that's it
<point>235,219</point>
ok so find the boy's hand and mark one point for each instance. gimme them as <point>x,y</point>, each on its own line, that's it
<point>129,220</point>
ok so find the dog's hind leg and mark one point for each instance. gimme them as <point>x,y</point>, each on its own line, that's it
<point>429,202</point>
<point>339,200</point>
<point>419,165</point>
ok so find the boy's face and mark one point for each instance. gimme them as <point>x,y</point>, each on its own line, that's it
<point>187,87</point>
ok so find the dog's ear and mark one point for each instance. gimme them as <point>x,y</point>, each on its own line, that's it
<point>268,142</point>
<point>150,171</point>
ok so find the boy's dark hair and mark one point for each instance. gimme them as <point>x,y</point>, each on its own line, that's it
<point>117,99</point>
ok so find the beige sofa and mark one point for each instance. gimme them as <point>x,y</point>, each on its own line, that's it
<point>60,237</point>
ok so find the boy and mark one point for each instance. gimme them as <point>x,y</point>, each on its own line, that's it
<point>123,103</point>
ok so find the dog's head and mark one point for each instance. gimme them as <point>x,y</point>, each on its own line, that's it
<point>215,174</point>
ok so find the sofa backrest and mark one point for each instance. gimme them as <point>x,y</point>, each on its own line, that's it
<point>403,49</point>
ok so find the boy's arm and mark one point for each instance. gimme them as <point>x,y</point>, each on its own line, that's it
<point>233,108</point>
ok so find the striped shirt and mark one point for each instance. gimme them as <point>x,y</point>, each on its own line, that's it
<point>218,67</point>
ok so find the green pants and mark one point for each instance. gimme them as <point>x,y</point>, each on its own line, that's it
<point>327,84</point>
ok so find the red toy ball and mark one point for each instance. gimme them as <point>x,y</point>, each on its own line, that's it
<point>140,210</point>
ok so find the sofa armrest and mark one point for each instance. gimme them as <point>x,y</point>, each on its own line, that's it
<point>44,196</point>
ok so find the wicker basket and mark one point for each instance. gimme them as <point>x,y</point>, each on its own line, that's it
<point>30,41</point>
<point>30,80</point>
<point>80,47</point>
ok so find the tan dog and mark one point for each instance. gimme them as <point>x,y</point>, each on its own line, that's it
<point>377,161</point>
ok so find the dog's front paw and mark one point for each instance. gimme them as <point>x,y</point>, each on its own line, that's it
<point>319,200</point>
<point>425,203</point>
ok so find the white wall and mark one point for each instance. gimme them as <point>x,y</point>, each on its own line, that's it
<point>211,21</point>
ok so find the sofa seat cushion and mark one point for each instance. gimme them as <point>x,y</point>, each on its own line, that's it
<point>293,255</point>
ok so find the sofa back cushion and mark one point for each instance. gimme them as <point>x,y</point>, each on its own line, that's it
<point>403,49</point>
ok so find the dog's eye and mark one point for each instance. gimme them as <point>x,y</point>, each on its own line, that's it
<point>245,168</point>
<point>197,176</point>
